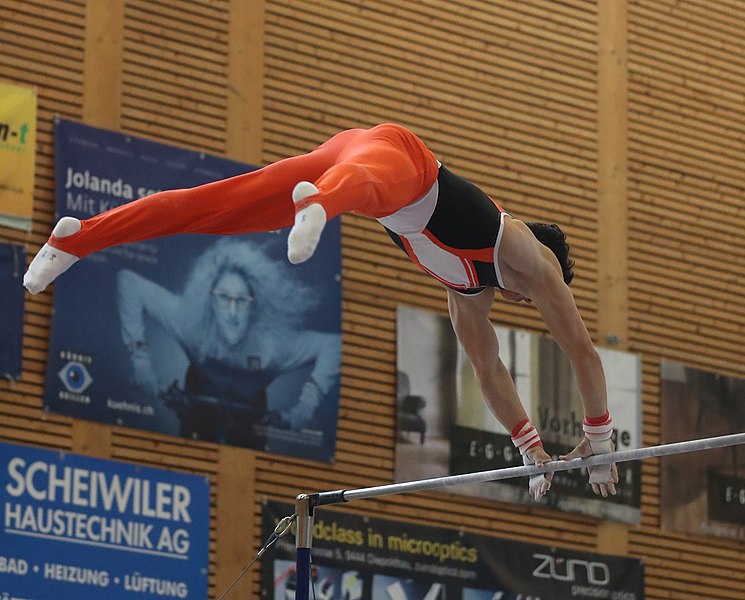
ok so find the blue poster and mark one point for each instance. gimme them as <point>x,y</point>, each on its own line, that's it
<point>213,338</point>
<point>12,266</point>
<point>88,528</point>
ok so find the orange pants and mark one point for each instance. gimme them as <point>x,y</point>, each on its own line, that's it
<point>372,172</point>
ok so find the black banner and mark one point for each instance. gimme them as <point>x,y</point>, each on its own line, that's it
<point>361,558</point>
<point>726,494</point>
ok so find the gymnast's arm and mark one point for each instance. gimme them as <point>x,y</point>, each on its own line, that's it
<point>469,315</point>
<point>556,305</point>
<point>541,277</point>
<point>534,267</point>
<point>470,318</point>
<point>531,269</point>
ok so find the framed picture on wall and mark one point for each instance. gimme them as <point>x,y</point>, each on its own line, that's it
<point>445,426</point>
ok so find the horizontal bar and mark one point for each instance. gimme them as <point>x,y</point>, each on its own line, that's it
<point>338,496</point>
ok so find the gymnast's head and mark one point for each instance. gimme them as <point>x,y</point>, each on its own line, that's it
<point>551,236</point>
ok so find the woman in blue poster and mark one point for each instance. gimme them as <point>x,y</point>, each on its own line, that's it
<point>240,323</point>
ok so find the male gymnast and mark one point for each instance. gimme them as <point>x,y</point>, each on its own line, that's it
<point>446,225</point>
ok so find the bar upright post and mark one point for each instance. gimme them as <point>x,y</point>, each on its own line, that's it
<point>303,542</point>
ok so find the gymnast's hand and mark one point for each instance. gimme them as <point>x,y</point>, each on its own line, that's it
<point>603,478</point>
<point>539,484</point>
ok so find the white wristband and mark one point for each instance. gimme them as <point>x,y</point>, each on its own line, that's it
<point>598,432</point>
<point>526,437</point>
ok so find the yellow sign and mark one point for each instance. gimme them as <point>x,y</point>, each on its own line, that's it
<point>17,154</point>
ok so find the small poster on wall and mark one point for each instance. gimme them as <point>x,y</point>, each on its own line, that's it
<point>17,154</point>
<point>445,426</point>
<point>702,492</point>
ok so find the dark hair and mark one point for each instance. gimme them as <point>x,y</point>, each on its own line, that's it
<point>554,239</point>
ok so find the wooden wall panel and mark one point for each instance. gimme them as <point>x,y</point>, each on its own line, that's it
<point>686,204</point>
<point>510,94</point>
<point>485,93</point>
<point>175,72</point>
<point>687,194</point>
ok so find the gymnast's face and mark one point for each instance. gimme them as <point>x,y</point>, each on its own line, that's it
<point>231,305</point>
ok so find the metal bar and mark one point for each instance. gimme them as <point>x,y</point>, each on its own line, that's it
<point>339,496</point>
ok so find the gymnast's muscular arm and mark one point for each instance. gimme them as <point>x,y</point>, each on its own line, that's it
<point>531,269</point>
<point>470,318</point>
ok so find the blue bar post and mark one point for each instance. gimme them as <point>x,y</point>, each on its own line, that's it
<point>303,543</point>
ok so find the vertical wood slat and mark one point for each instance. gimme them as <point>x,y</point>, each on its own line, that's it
<point>104,55</point>
<point>104,24</point>
<point>91,439</point>
<point>245,109</point>
<point>236,499</point>
<point>612,204</point>
<point>686,287</point>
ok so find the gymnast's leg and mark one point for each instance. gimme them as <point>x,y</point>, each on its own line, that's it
<point>252,202</point>
<point>382,170</point>
<point>372,172</point>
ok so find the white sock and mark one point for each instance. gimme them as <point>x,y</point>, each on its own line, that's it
<point>309,223</point>
<point>66,226</point>
<point>49,263</point>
